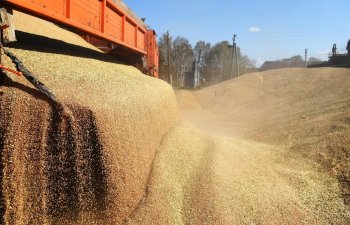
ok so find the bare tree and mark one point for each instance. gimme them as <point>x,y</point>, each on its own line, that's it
<point>201,52</point>
<point>182,57</point>
<point>218,62</point>
<point>246,64</point>
<point>314,59</point>
<point>296,58</point>
<point>214,63</point>
<point>163,47</point>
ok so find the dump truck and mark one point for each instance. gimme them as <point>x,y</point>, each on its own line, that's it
<point>107,24</point>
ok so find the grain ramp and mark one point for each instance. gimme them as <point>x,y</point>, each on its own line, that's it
<point>90,169</point>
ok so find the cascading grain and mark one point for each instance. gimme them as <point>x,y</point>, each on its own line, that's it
<point>52,165</point>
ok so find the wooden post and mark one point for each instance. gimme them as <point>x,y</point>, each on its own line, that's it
<point>7,27</point>
<point>306,58</point>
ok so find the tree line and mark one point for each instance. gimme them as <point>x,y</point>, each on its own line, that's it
<point>215,62</point>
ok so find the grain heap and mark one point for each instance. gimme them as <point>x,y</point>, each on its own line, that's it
<point>59,170</point>
<point>186,100</point>
<point>203,179</point>
<point>121,4</point>
<point>122,157</point>
<point>303,111</point>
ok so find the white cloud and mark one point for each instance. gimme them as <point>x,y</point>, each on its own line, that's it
<point>254,29</point>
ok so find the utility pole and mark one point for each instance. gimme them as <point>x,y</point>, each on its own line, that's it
<point>169,48</point>
<point>305,57</point>
<point>196,70</point>
<point>233,51</point>
<point>236,55</point>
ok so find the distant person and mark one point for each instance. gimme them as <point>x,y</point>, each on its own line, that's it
<point>334,50</point>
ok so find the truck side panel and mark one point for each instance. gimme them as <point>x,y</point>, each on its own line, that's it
<point>95,17</point>
<point>103,23</point>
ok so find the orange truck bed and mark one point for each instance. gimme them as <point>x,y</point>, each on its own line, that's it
<point>103,22</point>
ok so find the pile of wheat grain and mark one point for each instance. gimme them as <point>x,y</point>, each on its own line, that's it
<point>56,168</point>
<point>186,100</point>
<point>306,110</point>
<point>120,156</point>
<point>131,13</point>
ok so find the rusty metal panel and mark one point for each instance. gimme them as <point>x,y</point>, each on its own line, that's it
<point>130,33</point>
<point>141,37</point>
<point>114,23</point>
<point>87,12</point>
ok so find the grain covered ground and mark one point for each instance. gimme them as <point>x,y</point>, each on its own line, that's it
<point>244,153</point>
<point>299,118</point>
<point>304,111</point>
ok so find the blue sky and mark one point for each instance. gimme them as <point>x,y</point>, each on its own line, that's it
<point>266,29</point>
